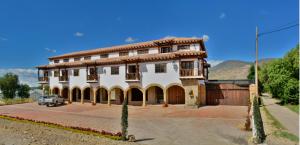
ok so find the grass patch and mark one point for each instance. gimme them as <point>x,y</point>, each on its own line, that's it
<point>275,122</point>
<point>284,134</point>
<point>15,101</point>
<point>86,131</point>
<point>294,108</point>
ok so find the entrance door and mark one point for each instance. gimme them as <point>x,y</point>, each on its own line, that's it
<point>176,95</point>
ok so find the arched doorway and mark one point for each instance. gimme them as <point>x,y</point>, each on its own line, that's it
<point>155,95</point>
<point>65,93</point>
<point>101,95</point>
<point>176,95</point>
<point>87,95</point>
<point>76,95</point>
<point>55,91</point>
<point>135,96</point>
<point>117,95</point>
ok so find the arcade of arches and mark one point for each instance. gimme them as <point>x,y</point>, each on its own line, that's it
<point>173,94</point>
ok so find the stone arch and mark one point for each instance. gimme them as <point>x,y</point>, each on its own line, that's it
<point>87,94</point>
<point>117,94</point>
<point>55,91</point>
<point>101,94</point>
<point>175,94</point>
<point>135,95</point>
<point>76,94</point>
<point>65,92</point>
<point>154,94</point>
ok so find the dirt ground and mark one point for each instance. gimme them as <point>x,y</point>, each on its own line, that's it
<point>19,133</point>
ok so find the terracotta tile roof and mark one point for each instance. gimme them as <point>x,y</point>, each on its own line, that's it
<point>128,59</point>
<point>148,44</point>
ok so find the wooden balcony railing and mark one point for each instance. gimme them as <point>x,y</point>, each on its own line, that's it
<point>186,72</point>
<point>63,78</point>
<point>93,77</point>
<point>43,79</point>
<point>132,76</point>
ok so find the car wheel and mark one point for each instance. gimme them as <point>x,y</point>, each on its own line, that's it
<point>47,105</point>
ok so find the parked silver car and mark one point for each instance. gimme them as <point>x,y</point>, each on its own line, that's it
<point>41,100</point>
<point>54,100</point>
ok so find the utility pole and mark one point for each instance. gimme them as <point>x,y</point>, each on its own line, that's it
<point>256,63</point>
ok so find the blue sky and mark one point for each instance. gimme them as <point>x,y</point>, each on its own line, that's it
<point>33,30</point>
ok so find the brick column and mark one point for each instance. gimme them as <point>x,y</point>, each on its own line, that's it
<point>165,96</point>
<point>82,94</point>
<point>94,93</point>
<point>144,98</point>
<point>108,98</point>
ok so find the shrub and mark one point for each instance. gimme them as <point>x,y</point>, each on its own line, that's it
<point>258,123</point>
<point>124,119</point>
<point>23,91</point>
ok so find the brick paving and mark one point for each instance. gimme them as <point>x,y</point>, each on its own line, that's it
<point>151,125</point>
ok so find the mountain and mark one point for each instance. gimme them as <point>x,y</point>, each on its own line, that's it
<point>26,75</point>
<point>233,69</point>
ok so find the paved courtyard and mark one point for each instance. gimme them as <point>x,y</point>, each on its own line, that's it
<point>151,125</point>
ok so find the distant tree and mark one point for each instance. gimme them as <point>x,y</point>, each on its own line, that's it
<point>23,91</point>
<point>124,119</point>
<point>251,76</point>
<point>281,77</point>
<point>9,85</point>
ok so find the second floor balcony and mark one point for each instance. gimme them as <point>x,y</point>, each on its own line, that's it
<point>132,77</point>
<point>92,78</point>
<point>63,79</point>
<point>43,80</point>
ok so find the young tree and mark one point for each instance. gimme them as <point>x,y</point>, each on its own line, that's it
<point>124,119</point>
<point>9,85</point>
<point>23,91</point>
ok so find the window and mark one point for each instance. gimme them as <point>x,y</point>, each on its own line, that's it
<point>76,72</point>
<point>66,60</point>
<point>183,47</point>
<point>93,71</point>
<point>187,64</point>
<point>160,68</point>
<point>114,70</point>
<point>56,61</point>
<point>104,55</point>
<point>56,73</point>
<point>143,51</point>
<point>87,58</point>
<point>132,69</point>
<point>77,58</point>
<point>165,49</point>
<point>124,53</point>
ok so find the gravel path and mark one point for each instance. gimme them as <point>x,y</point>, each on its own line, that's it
<point>289,119</point>
<point>19,133</point>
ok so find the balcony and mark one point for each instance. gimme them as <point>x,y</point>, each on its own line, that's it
<point>92,78</point>
<point>63,79</point>
<point>190,74</point>
<point>43,80</point>
<point>132,77</point>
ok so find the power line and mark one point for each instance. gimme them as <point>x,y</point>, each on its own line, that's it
<point>284,28</point>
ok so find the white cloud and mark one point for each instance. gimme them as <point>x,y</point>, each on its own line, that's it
<point>50,50</point>
<point>205,38</point>
<point>78,34</point>
<point>3,39</point>
<point>169,37</point>
<point>130,40</point>
<point>214,62</point>
<point>222,15</point>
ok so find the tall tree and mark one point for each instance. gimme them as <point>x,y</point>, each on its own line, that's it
<point>23,91</point>
<point>9,85</point>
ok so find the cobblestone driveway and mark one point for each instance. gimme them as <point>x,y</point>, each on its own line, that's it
<point>151,125</point>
